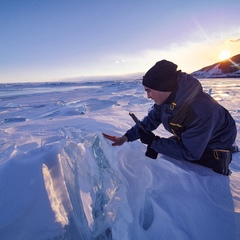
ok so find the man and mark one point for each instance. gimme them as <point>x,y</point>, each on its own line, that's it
<point>203,130</point>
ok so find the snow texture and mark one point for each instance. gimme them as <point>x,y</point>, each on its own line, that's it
<point>60,179</point>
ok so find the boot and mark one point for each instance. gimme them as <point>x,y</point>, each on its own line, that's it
<point>223,158</point>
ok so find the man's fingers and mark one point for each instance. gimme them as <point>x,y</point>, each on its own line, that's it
<point>117,141</point>
<point>112,138</point>
<point>106,135</point>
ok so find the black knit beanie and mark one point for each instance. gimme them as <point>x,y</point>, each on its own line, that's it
<point>162,76</point>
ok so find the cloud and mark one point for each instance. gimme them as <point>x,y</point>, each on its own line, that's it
<point>232,40</point>
<point>120,61</point>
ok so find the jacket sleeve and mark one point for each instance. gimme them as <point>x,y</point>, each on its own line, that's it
<point>150,123</point>
<point>192,143</point>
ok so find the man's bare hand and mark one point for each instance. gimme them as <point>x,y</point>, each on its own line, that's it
<point>117,141</point>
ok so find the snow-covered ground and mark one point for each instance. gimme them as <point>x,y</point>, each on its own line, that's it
<point>60,179</point>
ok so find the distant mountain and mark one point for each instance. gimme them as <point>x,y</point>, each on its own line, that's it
<point>229,68</point>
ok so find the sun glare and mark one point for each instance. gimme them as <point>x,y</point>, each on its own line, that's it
<point>224,54</point>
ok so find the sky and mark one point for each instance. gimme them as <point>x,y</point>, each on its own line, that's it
<point>51,40</point>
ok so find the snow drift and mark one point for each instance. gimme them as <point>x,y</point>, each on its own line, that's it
<point>60,179</point>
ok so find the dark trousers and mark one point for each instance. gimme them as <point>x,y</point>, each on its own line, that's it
<point>212,158</point>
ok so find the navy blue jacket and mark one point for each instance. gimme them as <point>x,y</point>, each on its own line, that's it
<point>198,122</point>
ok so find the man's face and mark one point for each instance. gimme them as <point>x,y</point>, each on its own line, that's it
<point>157,96</point>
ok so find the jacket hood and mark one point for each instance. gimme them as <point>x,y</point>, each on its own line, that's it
<point>188,88</point>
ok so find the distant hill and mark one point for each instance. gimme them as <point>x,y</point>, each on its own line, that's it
<point>229,68</point>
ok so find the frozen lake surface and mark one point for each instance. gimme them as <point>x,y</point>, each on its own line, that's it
<point>60,179</point>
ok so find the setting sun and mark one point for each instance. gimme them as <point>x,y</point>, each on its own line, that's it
<point>224,54</point>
